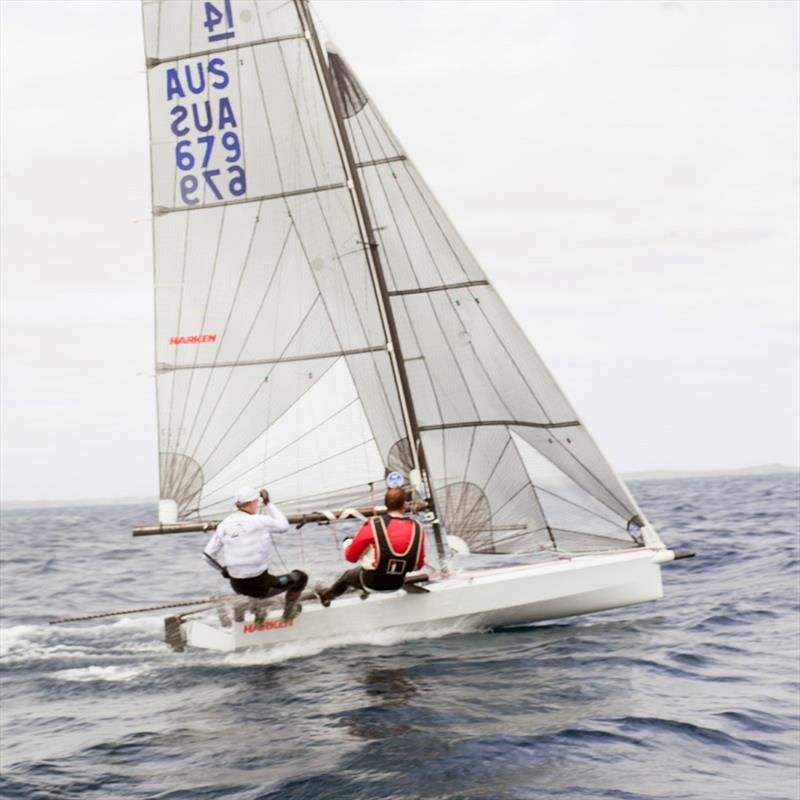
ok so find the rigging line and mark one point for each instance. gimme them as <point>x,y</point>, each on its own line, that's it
<point>285,447</point>
<point>227,48</point>
<point>259,387</point>
<point>533,490</point>
<point>453,307</point>
<point>277,552</point>
<point>480,423</point>
<point>594,494</point>
<point>302,550</point>
<point>233,303</point>
<point>594,513</point>
<point>338,257</point>
<point>416,277</point>
<point>500,339</point>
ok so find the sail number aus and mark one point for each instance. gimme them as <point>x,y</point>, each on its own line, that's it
<point>208,151</point>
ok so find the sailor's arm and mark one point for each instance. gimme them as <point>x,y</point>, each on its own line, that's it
<point>361,541</point>
<point>272,518</point>
<point>212,550</point>
<point>275,518</point>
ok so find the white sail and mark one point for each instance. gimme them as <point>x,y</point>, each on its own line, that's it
<point>263,293</point>
<point>316,310</point>
<point>512,466</point>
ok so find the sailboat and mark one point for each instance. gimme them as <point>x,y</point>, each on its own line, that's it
<point>320,324</point>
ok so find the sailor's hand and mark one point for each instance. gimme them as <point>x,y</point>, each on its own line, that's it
<point>264,496</point>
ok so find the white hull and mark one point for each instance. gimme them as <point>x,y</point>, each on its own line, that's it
<point>487,599</point>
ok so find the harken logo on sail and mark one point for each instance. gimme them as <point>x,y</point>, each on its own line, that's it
<point>201,339</point>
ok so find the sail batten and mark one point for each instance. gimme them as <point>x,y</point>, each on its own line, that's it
<point>479,423</point>
<point>278,360</point>
<point>160,210</point>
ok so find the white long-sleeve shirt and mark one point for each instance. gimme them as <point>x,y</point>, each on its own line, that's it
<point>243,543</point>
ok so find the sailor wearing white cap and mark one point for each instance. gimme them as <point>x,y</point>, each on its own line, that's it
<point>241,548</point>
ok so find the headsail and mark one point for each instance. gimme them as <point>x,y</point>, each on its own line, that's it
<point>274,355</point>
<point>512,466</point>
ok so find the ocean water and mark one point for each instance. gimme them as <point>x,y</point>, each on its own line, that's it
<point>694,696</point>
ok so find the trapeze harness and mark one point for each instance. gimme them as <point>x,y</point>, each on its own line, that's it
<point>392,566</point>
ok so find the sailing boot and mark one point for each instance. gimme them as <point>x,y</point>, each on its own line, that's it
<point>259,615</point>
<point>323,596</point>
<point>224,617</point>
<point>291,611</point>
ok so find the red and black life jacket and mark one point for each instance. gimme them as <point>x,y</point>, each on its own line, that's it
<point>391,566</point>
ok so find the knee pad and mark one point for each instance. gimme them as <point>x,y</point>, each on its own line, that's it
<point>298,576</point>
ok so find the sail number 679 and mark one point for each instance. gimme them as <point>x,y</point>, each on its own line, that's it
<point>186,160</point>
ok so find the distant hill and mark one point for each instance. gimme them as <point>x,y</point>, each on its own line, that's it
<point>643,475</point>
<point>670,474</point>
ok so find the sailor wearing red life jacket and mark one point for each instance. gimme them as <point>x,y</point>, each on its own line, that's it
<point>398,548</point>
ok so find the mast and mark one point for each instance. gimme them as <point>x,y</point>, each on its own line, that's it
<point>373,256</point>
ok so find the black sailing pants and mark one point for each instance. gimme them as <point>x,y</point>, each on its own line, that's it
<point>358,579</point>
<point>266,585</point>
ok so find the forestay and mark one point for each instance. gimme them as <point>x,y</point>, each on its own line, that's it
<point>274,356</point>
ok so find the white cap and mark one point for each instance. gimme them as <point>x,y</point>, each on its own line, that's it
<point>244,495</point>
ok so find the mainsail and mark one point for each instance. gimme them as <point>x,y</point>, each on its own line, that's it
<point>320,322</point>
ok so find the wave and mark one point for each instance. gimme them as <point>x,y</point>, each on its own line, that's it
<point>386,637</point>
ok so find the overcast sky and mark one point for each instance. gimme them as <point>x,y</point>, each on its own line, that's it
<point>626,172</point>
